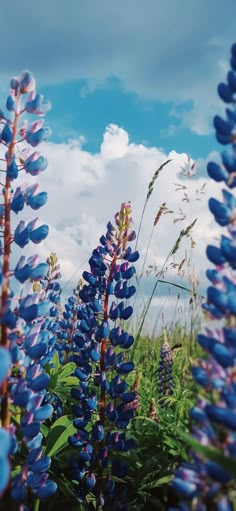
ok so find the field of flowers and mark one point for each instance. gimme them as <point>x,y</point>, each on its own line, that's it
<point>94,415</point>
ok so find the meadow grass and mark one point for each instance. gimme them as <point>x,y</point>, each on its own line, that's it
<point>160,414</point>
<point>159,447</point>
<point>158,419</point>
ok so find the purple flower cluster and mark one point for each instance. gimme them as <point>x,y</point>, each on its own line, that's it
<point>98,343</point>
<point>205,484</point>
<point>28,394</point>
<point>27,343</point>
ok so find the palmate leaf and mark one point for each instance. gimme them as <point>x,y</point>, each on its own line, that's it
<point>210,453</point>
<point>70,381</point>
<point>63,388</point>
<point>58,436</point>
<point>66,371</point>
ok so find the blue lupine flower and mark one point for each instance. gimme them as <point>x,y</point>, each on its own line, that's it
<point>26,82</point>
<point>89,313</point>
<point>29,232</point>
<point>18,201</point>
<point>7,135</point>
<point>25,270</point>
<point>35,136</point>
<point>39,234</point>
<point>35,163</point>
<point>46,490</point>
<point>39,271</point>
<point>11,103</point>
<point>12,169</point>
<point>37,201</point>
<point>36,104</point>
<point>125,367</point>
<point>21,236</point>
<point>215,421</point>
<point>29,338</point>
<point>223,212</point>
<point>8,317</point>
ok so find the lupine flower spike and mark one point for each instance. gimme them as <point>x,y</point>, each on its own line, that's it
<point>25,342</point>
<point>98,346</point>
<point>205,484</point>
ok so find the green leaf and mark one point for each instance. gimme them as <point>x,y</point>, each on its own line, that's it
<point>176,285</point>
<point>47,368</point>
<point>44,429</point>
<point>63,485</point>
<point>170,443</point>
<point>71,381</point>
<point>58,436</point>
<point>157,482</point>
<point>210,453</point>
<point>67,370</point>
<point>147,419</point>
<point>53,381</point>
<point>56,360</point>
<point>61,393</point>
<point>15,413</point>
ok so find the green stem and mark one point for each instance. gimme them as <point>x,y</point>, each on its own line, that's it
<point>150,190</point>
<point>140,223</point>
<point>36,505</point>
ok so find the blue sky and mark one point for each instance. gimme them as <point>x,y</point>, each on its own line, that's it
<point>151,122</point>
<point>150,66</point>
<point>132,83</point>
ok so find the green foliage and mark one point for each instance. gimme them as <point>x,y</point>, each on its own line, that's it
<point>58,435</point>
<point>161,445</point>
<point>226,462</point>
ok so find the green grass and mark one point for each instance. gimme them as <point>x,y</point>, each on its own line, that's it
<point>159,447</point>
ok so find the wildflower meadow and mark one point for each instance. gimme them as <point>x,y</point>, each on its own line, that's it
<point>94,413</point>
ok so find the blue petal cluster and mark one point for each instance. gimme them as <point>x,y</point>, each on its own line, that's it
<point>97,342</point>
<point>30,231</point>
<point>204,484</point>
<point>28,342</point>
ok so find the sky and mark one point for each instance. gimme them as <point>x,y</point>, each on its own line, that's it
<point>132,83</point>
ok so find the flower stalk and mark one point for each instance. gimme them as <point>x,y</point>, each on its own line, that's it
<point>24,347</point>
<point>102,394</point>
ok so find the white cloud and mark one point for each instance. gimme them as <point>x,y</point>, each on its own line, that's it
<point>110,149</point>
<point>86,190</point>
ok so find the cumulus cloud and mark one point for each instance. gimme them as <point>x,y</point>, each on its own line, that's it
<point>86,190</point>
<point>170,51</point>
